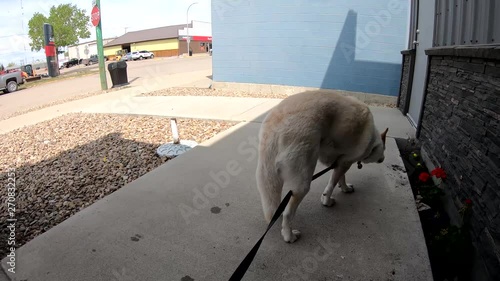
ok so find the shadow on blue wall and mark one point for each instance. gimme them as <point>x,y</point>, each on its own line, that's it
<point>346,73</point>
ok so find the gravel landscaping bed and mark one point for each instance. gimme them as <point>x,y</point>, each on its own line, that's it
<point>191,91</point>
<point>66,164</point>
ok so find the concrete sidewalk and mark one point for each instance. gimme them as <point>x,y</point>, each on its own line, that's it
<point>197,216</point>
<point>201,107</point>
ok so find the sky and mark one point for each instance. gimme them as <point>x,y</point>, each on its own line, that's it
<point>117,16</point>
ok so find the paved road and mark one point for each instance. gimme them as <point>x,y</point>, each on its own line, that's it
<point>142,74</point>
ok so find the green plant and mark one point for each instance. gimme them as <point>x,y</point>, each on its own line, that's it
<point>430,192</point>
<point>465,213</point>
<point>452,247</point>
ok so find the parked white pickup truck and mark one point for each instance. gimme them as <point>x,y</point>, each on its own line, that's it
<point>10,81</point>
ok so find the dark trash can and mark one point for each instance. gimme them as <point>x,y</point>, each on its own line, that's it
<point>118,73</point>
<point>190,53</point>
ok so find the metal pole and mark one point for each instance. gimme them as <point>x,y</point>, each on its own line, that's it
<point>188,40</point>
<point>100,50</point>
<point>50,50</point>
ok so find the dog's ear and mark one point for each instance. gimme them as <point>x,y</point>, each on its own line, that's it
<point>383,135</point>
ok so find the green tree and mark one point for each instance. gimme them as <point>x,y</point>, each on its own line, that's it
<point>11,64</point>
<point>70,25</point>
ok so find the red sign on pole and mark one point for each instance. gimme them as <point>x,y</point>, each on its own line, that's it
<point>50,50</point>
<point>95,16</point>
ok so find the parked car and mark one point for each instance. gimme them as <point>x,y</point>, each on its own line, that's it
<point>146,55</point>
<point>10,81</point>
<point>90,61</point>
<point>140,55</point>
<point>133,56</point>
<point>71,63</point>
<point>127,57</point>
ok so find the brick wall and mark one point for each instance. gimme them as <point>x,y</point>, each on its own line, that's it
<point>461,133</point>
<point>406,80</point>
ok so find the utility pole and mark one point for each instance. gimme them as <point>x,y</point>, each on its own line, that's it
<point>96,21</point>
<point>188,40</point>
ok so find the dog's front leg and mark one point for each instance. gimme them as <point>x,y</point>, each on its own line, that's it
<point>338,173</point>
<point>346,187</point>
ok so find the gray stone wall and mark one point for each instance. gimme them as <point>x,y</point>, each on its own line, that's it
<point>461,133</point>
<point>406,80</point>
<point>404,83</point>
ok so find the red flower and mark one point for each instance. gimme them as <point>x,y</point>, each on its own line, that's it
<point>468,202</point>
<point>424,177</point>
<point>439,173</point>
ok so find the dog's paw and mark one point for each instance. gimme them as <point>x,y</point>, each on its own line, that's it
<point>347,189</point>
<point>290,236</point>
<point>327,201</point>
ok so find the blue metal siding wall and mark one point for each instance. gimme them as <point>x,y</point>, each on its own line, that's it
<point>335,44</point>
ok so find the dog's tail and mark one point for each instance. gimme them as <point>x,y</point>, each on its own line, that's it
<point>269,184</point>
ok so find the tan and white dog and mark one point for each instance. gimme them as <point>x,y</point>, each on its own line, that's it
<point>302,129</point>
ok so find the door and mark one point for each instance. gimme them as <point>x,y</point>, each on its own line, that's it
<point>423,34</point>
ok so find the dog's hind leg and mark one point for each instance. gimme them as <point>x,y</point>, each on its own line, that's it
<point>297,178</point>
<point>337,175</point>
<point>299,187</point>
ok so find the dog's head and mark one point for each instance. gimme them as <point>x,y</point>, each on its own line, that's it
<point>377,150</point>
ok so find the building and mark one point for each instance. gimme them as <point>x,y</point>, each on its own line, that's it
<point>450,92</point>
<point>85,50</point>
<point>164,41</point>
<point>200,37</point>
<point>344,45</point>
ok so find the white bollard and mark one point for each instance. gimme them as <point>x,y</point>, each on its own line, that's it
<point>175,133</point>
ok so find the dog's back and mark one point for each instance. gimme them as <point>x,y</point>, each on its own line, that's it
<point>306,127</point>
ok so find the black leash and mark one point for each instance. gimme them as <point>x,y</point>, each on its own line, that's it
<point>243,267</point>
